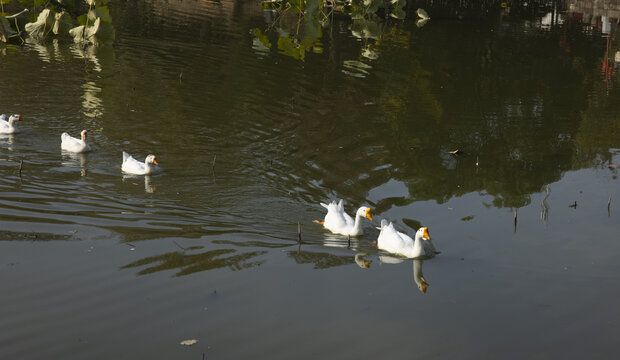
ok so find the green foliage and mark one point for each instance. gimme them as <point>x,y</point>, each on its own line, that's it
<point>300,23</point>
<point>101,12</point>
<point>36,3</point>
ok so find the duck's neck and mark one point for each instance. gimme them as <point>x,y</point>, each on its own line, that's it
<point>357,226</point>
<point>418,247</point>
<point>147,167</point>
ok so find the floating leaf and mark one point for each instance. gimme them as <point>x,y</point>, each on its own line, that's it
<point>189,342</point>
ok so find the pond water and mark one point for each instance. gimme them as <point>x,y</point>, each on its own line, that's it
<point>256,117</point>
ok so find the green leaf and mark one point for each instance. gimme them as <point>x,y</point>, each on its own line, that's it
<point>33,2</point>
<point>100,12</point>
<point>82,19</point>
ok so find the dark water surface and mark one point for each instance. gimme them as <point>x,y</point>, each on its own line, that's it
<point>95,265</point>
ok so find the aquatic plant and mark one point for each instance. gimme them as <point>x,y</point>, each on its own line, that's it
<point>55,19</point>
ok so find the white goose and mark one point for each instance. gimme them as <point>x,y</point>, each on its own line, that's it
<point>133,166</point>
<point>339,222</point>
<point>400,243</point>
<point>7,126</point>
<point>69,143</point>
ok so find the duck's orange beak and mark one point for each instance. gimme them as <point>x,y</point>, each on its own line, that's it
<point>368,214</point>
<point>21,118</point>
<point>155,161</point>
<point>426,235</point>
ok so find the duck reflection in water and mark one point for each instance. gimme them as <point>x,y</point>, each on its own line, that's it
<point>149,187</point>
<point>361,262</point>
<point>418,276</point>
<point>71,159</point>
<point>8,140</point>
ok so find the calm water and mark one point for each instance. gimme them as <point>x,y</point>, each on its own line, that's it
<point>254,121</point>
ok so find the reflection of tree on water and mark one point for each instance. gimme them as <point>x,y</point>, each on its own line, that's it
<point>299,26</point>
<point>192,263</point>
<point>321,260</point>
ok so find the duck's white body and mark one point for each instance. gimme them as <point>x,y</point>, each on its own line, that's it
<point>135,167</point>
<point>401,244</point>
<point>69,143</point>
<point>339,222</point>
<point>8,126</point>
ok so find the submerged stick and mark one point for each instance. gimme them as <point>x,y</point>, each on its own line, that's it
<point>299,231</point>
<point>608,205</point>
<point>21,166</point>
<point>177,244</point>
<point>213,164</point>
<point>349,238</point>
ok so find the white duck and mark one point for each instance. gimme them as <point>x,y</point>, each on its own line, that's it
<point>133,166</point>
<point>400,243</point>
<point>69,143</point>
<point>339,222</point>
<point>7,126</point>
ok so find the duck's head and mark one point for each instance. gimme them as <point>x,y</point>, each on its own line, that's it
<point>84,135</point>
<point>364,212</point>
<point>151,159</point>
<point>422,233</point>
<point>15,117</point>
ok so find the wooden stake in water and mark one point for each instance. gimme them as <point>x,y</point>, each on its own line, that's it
<point>299,231</point>
<point>21,166</point>
<point>515,220</point>
<point>608,205</point>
